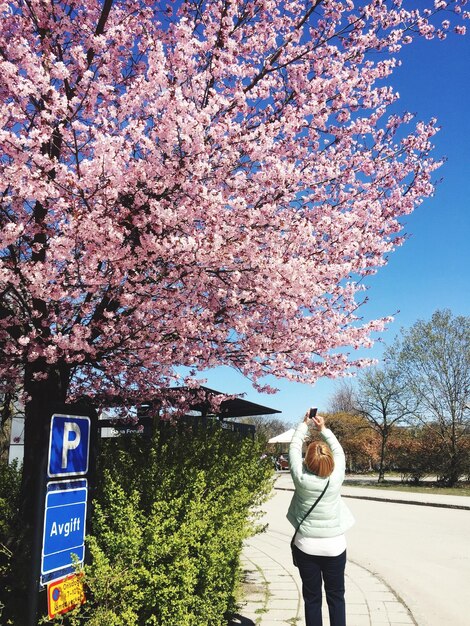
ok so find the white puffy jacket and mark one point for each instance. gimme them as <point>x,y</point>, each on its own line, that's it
<point>331,516</point>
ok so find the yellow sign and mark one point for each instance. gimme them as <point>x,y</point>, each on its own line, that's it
<point>65,594</point>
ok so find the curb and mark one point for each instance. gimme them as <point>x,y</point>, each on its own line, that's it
<point>391,590</point>
<point>440,505</point>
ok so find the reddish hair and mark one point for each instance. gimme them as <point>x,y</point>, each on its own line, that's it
<point>319,459</point>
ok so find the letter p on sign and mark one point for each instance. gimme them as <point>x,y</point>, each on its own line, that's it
<point>69,445</point>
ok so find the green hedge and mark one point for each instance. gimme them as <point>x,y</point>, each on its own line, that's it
<point>169,521</point>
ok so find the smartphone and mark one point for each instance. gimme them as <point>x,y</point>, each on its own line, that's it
<point>312,413</point>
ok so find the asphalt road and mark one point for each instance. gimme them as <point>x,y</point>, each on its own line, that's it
<point>422,552</point>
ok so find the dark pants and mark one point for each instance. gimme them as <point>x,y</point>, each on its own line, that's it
<point>330,569</point>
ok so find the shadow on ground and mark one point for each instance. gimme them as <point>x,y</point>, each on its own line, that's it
<point>239,620</point>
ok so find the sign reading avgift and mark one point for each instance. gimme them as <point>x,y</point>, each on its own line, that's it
<point>65,594</point>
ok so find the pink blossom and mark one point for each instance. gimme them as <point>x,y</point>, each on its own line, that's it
<point>205,188</point>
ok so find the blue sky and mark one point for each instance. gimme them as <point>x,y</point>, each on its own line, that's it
<point>431,270</point>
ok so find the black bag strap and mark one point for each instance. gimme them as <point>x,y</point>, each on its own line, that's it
<point>308,512</point>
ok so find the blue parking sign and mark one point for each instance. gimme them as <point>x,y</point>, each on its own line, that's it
<point>64,528</point>
<point>68,446</point>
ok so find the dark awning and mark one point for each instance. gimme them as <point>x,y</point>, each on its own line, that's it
<point>235,407</point>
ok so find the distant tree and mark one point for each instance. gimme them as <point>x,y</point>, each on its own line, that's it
<point>266,425</point>
<point>434,360</point>
<point>383,400</point>
<point>360,442</point>
<point>343,398</point>
<point>413,451</point>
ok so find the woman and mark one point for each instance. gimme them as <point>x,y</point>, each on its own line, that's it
<point>320,544</point>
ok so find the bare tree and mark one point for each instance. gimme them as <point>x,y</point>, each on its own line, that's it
<point>343,399</point>
<point>384,401</point>
<point>434,358</point>
<point>266,426</point>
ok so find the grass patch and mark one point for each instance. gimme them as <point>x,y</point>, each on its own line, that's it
<point>463,489</point>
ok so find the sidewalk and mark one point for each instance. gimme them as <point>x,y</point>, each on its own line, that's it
<point>272,588</point>
<point>274,595</point>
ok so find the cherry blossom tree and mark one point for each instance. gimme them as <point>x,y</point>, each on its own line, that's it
<point>196,184</point>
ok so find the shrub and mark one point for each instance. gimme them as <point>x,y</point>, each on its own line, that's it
<point>170,517</point>
<point>422,451</point>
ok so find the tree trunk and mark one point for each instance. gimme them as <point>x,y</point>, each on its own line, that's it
<point>382,457</point>
<point>42,396</point>
<point>454,470</point>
